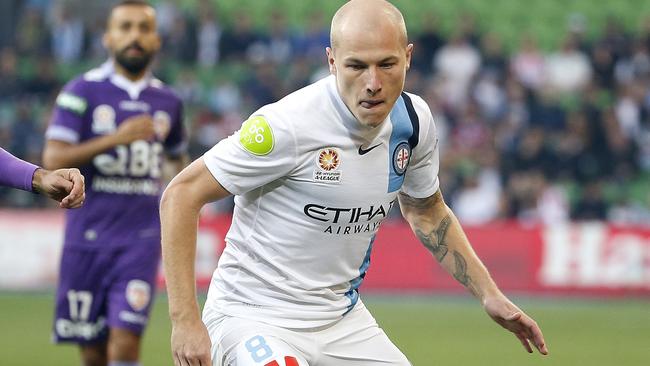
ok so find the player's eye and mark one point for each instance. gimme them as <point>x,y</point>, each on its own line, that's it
<point>355,67</point>
<point>387,65</point>
<point>145,27</point>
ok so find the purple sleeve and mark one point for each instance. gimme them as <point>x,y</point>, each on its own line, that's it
<point>16,173</point>
<point>69,111</point>
<point>175,143</point>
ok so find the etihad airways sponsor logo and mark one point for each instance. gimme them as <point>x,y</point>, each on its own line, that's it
<point>346,214</point>
<point>342,220</point>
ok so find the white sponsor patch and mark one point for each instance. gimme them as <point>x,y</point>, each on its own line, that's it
<point>134,106</point>
<point>138,294</point>
<point>65,328</point>
<point>103,120</point>
<point>328,161</point>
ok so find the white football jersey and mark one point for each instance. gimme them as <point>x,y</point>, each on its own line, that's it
<point>312,186</point>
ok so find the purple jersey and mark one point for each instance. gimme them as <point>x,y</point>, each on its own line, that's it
<point>123,184</point>
<point>14,172</point>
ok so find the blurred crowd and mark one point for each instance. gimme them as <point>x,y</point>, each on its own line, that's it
<point>537,135</point>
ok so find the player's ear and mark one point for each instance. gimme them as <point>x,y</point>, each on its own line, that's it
<point>106,41</point>
<point>409,54</point>
<point>158,42</point>
<point>330,60</point>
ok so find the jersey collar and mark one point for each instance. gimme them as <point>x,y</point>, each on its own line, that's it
<point>133,88</point>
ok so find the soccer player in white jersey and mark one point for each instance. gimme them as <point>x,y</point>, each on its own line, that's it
<point>314,175</point>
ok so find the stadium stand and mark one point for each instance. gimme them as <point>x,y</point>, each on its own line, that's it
<point>544,109</point>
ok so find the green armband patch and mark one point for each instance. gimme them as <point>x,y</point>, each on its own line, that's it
<point>256,136</point>
<point>72,102</point>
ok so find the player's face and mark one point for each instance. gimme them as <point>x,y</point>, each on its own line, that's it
<point>131,37</point>
<point>370,70</point>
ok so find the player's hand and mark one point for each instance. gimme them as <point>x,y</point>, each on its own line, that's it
<point>138,127</point>
<point>63,185</point>
<point>509,316</point>
<point>191,344</point>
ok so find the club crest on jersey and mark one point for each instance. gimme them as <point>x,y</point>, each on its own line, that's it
<point>138,294</point>
<point>103,120</point>
<point>162,124</point>
<point>328,161</point>
<point>401,158</point>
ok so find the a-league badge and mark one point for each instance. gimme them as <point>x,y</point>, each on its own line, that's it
<point>401,158</point>
<point>103,120</point>
<point>328,161</point>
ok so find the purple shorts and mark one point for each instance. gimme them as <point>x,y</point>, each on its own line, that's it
<point>101,289</point>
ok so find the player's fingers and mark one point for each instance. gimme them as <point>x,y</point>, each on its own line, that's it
<point>177,360</point>
<point>78,185</point>
<point>536,336</point>
<point>73,202</point>
<point>524,341</point>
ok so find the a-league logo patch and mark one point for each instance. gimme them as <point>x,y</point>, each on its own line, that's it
<point>401,158</point>
<point>328,161</point>
<point>138,294</point>
<point>103,120</point>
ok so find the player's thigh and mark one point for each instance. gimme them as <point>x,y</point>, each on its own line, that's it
<point>357,340</point>
<point>132,288</point>
<point>80,311</point>
<point>241,342</point>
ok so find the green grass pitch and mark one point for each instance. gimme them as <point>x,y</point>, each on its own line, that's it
<point>429,330</point>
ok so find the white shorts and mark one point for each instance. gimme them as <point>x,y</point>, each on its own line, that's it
<point>355,340</point>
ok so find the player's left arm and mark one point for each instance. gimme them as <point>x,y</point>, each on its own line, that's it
<point>438,229</point>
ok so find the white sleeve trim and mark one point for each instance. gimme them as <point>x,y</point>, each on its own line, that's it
<point>62,133</point>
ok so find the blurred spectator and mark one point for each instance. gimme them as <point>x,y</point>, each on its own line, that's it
<point>181,43</point>
<point>10,85</point>
<point>31,40</point>
<point>457,63</point>
<point>208,36</point>
<point>316,37</point>
<point>493,56</point>
<point>478,200</point>
<point>528,63</point>
<point>568,69</point>
<point>427,43</point>
<point>590,205</point>
<point>602,62</point>
<point>43,83</point>
<point>279,39</point>
<point>236,40</point>
<point>67,35</point>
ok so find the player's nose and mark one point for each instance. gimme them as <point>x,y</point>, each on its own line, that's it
<point>373,82</point>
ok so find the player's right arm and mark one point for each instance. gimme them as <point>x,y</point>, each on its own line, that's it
<point>58,154</point>
<point>181,204</point>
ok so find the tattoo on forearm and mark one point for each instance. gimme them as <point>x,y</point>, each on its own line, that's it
<point>460,272</point>
<point>435,241</point>
<point>419,203</point>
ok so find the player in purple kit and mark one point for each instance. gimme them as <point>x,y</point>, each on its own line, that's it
<point>119,125</point>
<point>63,185</point>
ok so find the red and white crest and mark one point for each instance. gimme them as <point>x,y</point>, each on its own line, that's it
<point>138,294</point>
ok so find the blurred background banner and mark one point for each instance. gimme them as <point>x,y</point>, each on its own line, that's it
<point>584,259</point>
<point>543,111</point>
